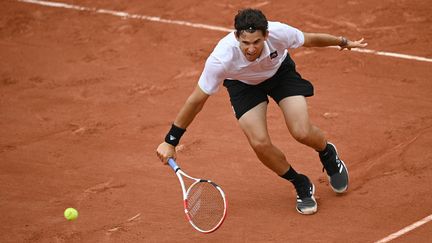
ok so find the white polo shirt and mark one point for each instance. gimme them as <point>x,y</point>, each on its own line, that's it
<point>227,61</point>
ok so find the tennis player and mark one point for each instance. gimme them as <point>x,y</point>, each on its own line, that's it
<point>253,63</point>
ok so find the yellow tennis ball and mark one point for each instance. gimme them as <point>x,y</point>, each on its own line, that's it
<point>71,214</point>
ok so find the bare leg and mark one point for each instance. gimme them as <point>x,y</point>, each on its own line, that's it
<point>254,126</point>
<point>296,116</point>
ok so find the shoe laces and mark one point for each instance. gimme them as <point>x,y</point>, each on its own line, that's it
<point>332,164</point>
<point>304,189</point>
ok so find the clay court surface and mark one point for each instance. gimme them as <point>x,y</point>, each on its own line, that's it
<point>86,97</point>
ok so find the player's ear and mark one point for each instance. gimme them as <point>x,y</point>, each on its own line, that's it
<point>266,34</point>
<point>236,33</point>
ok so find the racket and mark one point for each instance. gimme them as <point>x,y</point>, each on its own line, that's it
<point>204,202</point>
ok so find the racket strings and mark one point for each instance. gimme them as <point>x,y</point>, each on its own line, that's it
<point>205,205</point>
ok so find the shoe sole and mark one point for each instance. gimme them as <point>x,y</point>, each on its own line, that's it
<point>311,210</point>
<point>346,169</point>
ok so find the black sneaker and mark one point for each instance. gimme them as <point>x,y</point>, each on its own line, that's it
<point>336,170</point>
<point>306,203</point>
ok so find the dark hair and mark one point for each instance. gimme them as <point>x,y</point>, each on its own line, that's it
<point>250,20</point>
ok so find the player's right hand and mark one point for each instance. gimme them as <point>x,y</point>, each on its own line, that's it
<point>165,151</point>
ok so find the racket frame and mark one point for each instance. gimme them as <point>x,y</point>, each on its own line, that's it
<point>180,173</point>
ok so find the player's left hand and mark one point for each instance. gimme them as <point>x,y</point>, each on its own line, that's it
<point>354,44</point>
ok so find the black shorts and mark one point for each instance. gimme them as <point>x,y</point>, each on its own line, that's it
<point>286,82</point>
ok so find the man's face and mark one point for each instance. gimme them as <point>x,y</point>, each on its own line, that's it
<point>252,44</point>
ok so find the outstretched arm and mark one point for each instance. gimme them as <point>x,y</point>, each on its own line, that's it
<point>322,40</point>
<point>188,112</point>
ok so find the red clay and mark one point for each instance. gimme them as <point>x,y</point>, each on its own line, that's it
<point>85,99</point>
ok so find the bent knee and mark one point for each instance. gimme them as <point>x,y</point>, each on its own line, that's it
<point>301,133</point>
<point>260,145</point>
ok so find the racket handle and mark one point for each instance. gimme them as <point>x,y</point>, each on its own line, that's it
<point>173,164</point>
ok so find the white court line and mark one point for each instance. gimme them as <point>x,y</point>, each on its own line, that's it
<point>211,27</point>
<point>405,230</point>
<point>195,25</point>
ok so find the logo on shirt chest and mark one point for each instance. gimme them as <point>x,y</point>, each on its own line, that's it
<point>273,55</point>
